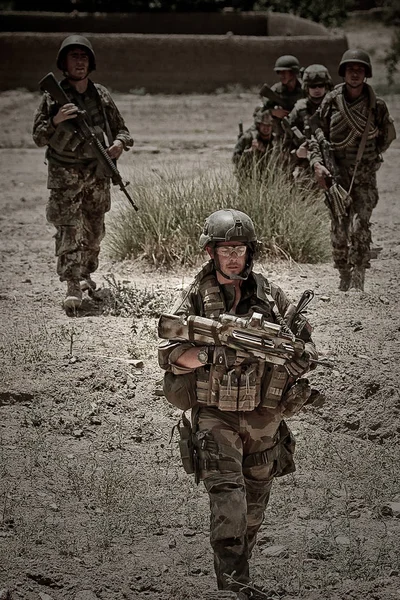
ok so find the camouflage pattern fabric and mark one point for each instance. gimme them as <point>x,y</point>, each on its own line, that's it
<point>77,212</point>
<point>79,191</point>
<point>351,237</point>
<point>238,495</point>
<point>288,97</point>
<point>247,161</point>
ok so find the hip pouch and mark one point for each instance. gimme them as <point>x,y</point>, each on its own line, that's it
<point>180,390</point>
<point>187,448</point>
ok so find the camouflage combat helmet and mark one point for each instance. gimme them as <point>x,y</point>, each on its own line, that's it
<point>262,116</point>
<point>76,40</point>
<point>230,225</point>
<point>358,56</point>
<point>316,74</point>
<point>287,62</point>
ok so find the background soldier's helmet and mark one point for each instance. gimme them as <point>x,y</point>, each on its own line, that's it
<point>76,40</point>
<point>228,225</point>
<point>262,116</point>
<point>316,74</point>
<point>287,63</point>
<point>358,56</point>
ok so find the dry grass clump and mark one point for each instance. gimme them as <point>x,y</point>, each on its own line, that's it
<point>289,216</point>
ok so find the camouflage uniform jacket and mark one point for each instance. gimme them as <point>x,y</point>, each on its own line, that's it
<point>301,112</point>
<point>382,131</point>
<point>64,148</point>
<point>206,298</point>
<point>289,98</point>
<point>245,142</point>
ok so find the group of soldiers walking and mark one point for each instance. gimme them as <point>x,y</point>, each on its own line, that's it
<point>348,120</point>
<point>241,387</point>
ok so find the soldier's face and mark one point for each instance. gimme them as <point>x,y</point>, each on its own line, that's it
<point>286,76</point>
<point>354,74</point>
<point>231,262</point>
<point>265,130</point>
<point>316,90</point>
<point>77,64</point>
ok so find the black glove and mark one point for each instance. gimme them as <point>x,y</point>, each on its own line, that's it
<point>298,365</point>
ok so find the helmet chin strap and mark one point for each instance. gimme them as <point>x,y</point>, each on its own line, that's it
<point>244,274</point>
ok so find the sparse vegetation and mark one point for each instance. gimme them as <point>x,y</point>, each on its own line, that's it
<point>289,216</point>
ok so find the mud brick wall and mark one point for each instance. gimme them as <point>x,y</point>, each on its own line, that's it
<point>166,63</point>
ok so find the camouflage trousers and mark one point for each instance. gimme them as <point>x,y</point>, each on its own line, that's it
<point>238,493</point>
<point>351,235</point>
<point>77,212</point>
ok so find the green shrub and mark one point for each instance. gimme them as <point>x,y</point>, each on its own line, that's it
<point>290,217</point>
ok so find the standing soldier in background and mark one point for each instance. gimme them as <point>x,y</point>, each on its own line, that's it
<point>359,128</point>
<point>79,189</point>
<point>288,89</point>
<point>316,82</point>
<point>239,401</point>
<point>253,146</point>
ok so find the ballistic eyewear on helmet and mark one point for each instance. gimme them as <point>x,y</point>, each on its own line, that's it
<point>314,86</point>
<point>229,250</point>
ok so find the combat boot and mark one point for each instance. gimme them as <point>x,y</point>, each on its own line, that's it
<point>73,299</point>
<point>87,284</point>
<point>357,279</point>
<point>345,279</point>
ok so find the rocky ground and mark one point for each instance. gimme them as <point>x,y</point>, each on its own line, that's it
<point>93,500</point>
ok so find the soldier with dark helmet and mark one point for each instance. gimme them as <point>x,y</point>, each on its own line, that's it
<point>359,128</point>
<point>316,83</point>
<point>288,88</point>
<point>79,190</point>
<point>254,145</point>
<point>238,402</point>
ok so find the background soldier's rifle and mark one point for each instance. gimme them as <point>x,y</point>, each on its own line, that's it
<point>50,84</point>
<point>293,133</point>
<point>240,125</point>
<point>267,92</point>
<point>336,197</point>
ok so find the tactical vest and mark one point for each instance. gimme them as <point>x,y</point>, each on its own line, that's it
<point>247,385</point>
<point>66,147</point>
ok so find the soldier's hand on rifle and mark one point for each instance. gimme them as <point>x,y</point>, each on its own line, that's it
<point>299,364</point>
<point>257,145</point>
<point>302,151</point>
<point>279,112</point>
<point>67,111</point>
<point>322,174</point>
<point>115,150</point>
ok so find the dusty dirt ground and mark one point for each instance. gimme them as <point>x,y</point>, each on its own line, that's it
<point>93,500</point>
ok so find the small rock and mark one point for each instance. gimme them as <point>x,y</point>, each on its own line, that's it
<point>54,507</point>
<point>395,507</point>
<point>27,281</point>
<point>86,595</point>
<point>189,533</point>
<point>358,328</point>
<point>275,551</point>
<point>159,392</point>
<point>138,364</point>
<point>73,360</point>
<point>354,514</point>
<point>95,420</point>
<point>325,298</point>
<point>44,596</point>
<point>384,300</point>
<point>78,433</point>
<point>342,540</point>
<point>172,543</point>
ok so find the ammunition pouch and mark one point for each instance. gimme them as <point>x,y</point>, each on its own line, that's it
<point>281,454</point>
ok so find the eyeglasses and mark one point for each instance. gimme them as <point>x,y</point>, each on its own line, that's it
<point>316,85</point>
<point>229,250</point>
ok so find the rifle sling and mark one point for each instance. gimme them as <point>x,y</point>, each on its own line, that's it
<point>363,142</point>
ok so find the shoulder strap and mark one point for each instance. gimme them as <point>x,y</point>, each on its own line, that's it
<point>361,147</point>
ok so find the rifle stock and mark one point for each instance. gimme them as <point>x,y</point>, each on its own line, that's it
<point>293,132</point>
<point>267,92</point>
<point>50,85</point>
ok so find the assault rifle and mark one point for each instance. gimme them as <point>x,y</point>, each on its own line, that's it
<point>336,197</point>
<point>240,125</point>
<point>50,84</point>
<point>250,335</point>
<point>293,133</point>
<point>267,92</point>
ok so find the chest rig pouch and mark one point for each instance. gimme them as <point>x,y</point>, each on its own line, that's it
<point>248,383</point>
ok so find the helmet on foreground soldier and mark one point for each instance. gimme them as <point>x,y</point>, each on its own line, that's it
<point>287,62</point>
<point>355,56</point>
<point>316,75</point>
<point>230,225</point>
<point>81,42</point>
<point>262,116</point>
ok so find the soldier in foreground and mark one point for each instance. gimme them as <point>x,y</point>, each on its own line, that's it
<point>288,90</point>
<point>252,148</point>
<point>79,189</point>
<point>239,401</point>
<point>358,127</point>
